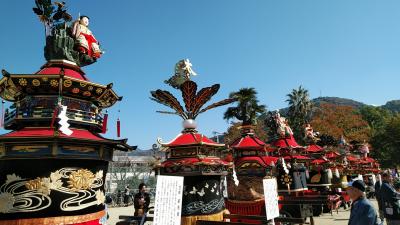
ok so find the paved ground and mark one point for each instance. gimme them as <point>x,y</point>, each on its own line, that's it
<point>340,218</point>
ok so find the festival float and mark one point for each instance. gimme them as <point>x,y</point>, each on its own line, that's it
<point>251,160</point>
<point>53,161</point>
<point>291,168</point>
<point>191,154</point>
<point>252,165</point>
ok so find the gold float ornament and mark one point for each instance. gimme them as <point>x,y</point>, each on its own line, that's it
<point>35,82</point>
<point>90,88</point>
<point>45,79</point>
<point>75,90</point>
<point>82,84</point>
<point>33,184</point>
<point>87,93</point>
<point>22,81</point>
<point>99,90</point>
<point>54,83</point>
<point>41,185</point>
<point>67,83</point>
<point>316,178</point>
<point>81,179</point>
<point>286,179</point>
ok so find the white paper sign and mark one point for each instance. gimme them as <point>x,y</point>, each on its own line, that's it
<point>225,188</point>
<point>271,198</point>
<point>168,202</point>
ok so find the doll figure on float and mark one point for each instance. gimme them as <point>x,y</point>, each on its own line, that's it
<point>310,135</point>
<point>86,43</point>
<point>364,149</point>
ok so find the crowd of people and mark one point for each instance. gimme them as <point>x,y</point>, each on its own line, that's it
<point>387,193</point>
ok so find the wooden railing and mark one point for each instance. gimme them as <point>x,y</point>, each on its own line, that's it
<point>47,113</point>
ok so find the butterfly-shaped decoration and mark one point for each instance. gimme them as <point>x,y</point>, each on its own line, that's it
<point>206,186</point>
<point>194,191</point>
<point>217,193</point>
<point>201,193</point>
<point>212,190</point>
<point>215,185</point>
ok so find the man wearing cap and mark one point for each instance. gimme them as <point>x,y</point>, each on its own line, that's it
<point>362,212</point>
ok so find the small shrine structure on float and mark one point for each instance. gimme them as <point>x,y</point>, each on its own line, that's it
<point>191,154</point>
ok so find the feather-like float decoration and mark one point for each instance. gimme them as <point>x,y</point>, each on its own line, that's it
<point>203,96</point>
<point>189,89</point>
<point>218,104</point>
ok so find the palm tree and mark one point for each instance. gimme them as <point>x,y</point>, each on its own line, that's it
<point>300,108</point>
<point>247,109</point>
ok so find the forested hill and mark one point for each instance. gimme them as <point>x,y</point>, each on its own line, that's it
<point>393,105</point>
<point>338,101</point>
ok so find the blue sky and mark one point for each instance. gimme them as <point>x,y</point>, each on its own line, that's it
<point>340,48</point>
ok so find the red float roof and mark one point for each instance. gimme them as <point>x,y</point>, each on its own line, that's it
<point>264,161</point>
<point>185,139</point>
<point>332,155</point>
<point>368,159</point>
<point>48,132</point>
<point>319,161</point>
<point>194,161</point>
<point>248,142</point>
<point>67,72</point>
<point>352,158</point>
<point>314,148</point>
<point>286,143</point>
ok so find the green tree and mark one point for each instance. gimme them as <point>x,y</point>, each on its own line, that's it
<point>299,112</point>
<point>385,144</point>
<point>377,117</point>
<point>247,109</point>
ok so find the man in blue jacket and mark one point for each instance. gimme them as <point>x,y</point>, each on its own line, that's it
<point>362,212</point>
<point>390,201</point>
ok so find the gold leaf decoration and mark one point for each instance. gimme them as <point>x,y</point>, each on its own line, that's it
<point>22,81</point>
<point>81,179</point>
<point>82,84</point>
<point>35,82</point>
<point>54,83</point>
<point>99,90</point>
<point>67,83</point>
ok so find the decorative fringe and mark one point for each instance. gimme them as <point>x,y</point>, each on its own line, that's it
<point>53,119</point>
<point>191,220</point>
<point>329,173</point>
<point>118,128</point>
<point>337,173</point>
<point>2,114</point>
<point>105,120</point>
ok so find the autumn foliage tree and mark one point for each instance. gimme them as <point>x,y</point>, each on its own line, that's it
<point>338,120</point>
